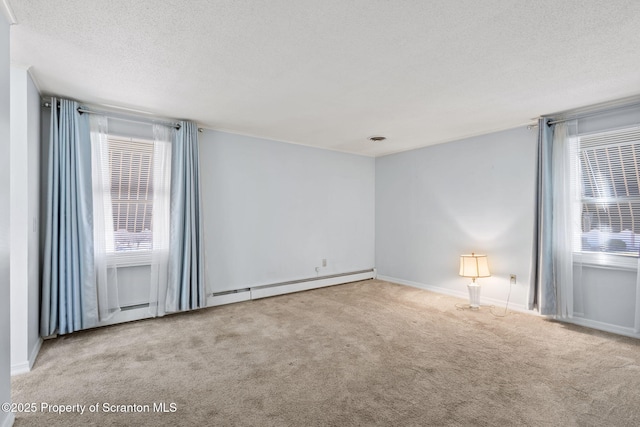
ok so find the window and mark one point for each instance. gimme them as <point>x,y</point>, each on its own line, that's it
<point>609,179</point>
<point>131,182</point>
<point>131,176</point>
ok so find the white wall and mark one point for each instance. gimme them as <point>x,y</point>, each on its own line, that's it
<point>6,419</point>
<point>273,211</point>
<point>473,195</point>
<point>34,136</point>
<point>25,186</point>
<point>606,296</point>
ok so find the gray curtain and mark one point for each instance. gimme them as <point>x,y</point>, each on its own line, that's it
<point>186,284</point>
<point>69,301</point>
<point>542,292</point>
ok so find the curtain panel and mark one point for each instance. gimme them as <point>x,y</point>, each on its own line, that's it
<point>68,299</point>
<point>162,136</point>
<point>542,292</point>
<point>103,232</point>
<point>566,215</point>
<point>551,289</point>
<point>186,281</point>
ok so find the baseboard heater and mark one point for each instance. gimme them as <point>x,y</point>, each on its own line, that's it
<point>282,288</point>
<point>134,307</point>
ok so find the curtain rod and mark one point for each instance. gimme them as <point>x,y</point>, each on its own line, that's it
<point>117,116</point>
<point>585,114</point>
<point>120,116</point>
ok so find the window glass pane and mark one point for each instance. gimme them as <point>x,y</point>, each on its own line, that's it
<point>612,227</point>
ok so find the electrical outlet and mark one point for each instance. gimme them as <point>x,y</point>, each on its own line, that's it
<point>512,279</point>
<point>324,262</point>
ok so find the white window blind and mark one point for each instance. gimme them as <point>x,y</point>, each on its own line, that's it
<point>131,179</point>
<point>610,191</point>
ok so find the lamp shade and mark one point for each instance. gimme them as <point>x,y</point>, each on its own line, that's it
<point>474,266</point>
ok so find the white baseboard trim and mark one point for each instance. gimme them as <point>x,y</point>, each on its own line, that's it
<point>34,353</point>
<point>459,294</point>
<point>24,367</point>
<point>607,327</point>
<point>20,368</point>
<point>8,419</point>
<point>305,285</point>
<point>124,316</point>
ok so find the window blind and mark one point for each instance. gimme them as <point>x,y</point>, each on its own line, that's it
<point>131,173</point>
<point>609,180</point>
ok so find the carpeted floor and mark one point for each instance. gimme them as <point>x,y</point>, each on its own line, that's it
<point>365,353</point>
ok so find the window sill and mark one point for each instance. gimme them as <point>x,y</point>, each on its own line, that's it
<point>606,260</point>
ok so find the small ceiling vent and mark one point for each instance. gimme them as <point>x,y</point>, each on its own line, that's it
<point>377,138</point>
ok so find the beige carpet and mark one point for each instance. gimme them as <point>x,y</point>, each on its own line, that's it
<point>366,353</point>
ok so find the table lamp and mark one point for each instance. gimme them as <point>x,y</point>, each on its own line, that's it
<point>474,266</point>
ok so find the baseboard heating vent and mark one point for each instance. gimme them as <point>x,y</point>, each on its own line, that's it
<point>133,307</point>
<point>274,289</point>
<point>235,291</point>
<point>228,297</point>
<point>270,290</point>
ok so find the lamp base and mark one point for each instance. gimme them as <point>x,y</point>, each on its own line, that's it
<point>474,295</point>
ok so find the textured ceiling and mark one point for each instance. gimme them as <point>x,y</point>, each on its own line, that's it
<point>331,73</point>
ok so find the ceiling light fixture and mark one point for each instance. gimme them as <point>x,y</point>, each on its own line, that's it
<point>377,138</point>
